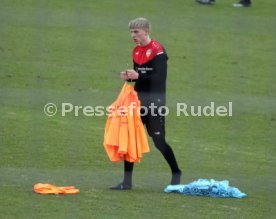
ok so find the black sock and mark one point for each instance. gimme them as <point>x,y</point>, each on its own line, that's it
<point>128,169</point>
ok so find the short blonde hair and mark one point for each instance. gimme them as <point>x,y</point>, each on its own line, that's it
<point>140,23</point>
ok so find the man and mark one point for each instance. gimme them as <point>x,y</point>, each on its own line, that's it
<point>149,75</point>
<point>241,3</point>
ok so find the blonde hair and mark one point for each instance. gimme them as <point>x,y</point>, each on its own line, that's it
<point>140,23</point>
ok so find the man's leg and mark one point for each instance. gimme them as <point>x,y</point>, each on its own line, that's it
<point>156,129</point>
<point>168,154</point>
<point>128,169</point>
<point>127,181</point>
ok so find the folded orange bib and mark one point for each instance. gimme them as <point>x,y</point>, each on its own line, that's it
<point>46,189</point>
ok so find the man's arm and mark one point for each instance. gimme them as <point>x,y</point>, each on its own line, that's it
<point>159,72</point>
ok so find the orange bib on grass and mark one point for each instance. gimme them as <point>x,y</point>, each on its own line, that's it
<point>125,137</point>
<point>46,189</point>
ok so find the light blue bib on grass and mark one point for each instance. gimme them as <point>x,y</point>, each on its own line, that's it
<point>205,187</point>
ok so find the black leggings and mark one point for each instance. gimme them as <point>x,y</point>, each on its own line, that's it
<point>156,129</point>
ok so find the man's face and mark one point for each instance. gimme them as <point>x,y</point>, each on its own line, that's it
<point>138,35</point>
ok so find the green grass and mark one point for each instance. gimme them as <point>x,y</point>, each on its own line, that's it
<point>72,51</point>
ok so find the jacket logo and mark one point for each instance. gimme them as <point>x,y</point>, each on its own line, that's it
<point>144,70</point>
<point>148,52</point>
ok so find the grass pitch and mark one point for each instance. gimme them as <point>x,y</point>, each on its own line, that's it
<point>72,51</point>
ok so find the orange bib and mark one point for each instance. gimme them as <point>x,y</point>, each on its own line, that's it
<point>125,137</point>
<point>46,189</point>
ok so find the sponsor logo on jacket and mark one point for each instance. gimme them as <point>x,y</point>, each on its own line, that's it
<point>144,69</point>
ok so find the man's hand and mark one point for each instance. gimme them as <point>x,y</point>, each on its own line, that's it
<point>124,75</point>
<point>131,74</point>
